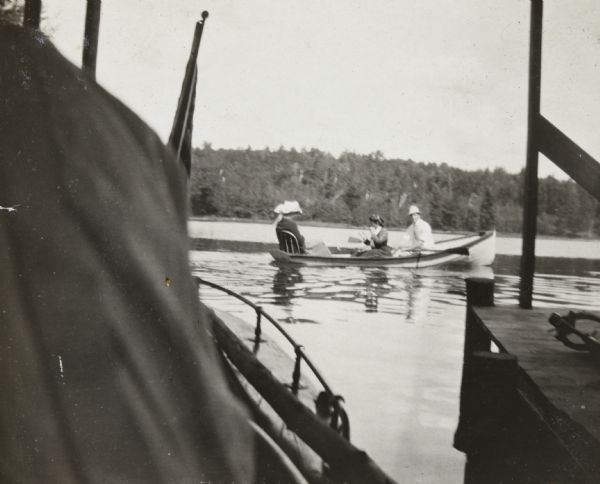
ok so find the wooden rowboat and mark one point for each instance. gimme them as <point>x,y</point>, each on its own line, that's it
<point>477,249</point>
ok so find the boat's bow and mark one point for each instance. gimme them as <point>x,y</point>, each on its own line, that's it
<point>483,252</point>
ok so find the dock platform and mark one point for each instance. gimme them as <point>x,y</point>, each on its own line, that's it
<point>530,406</point>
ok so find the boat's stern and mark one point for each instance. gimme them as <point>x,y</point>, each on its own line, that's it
<point>280,256</point>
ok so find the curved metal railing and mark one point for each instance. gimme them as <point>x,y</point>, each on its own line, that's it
<point>339,420</point>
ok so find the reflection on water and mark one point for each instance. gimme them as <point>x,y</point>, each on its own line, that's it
<point>284,281</point>
<point>391,291</point>
<point>376,284</point>
<point>395,291</point>
<point>389,332</point>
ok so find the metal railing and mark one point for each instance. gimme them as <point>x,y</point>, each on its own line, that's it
<point>339,419</point>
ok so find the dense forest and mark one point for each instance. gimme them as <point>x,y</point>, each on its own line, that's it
<point>249,183</point>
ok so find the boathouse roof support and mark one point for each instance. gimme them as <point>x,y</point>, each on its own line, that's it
<point>543,137</point>
<point>90,38</point>
<point>568,156</point>
<point>531,169</point>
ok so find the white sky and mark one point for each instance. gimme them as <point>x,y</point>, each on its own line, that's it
<point>430,80</point>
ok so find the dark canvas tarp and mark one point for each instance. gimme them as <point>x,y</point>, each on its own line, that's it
<point>107,373</point>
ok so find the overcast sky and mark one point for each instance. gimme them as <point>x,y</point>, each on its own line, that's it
<point>429,80</point>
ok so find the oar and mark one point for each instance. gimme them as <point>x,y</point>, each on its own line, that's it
<point>355,239</point>
<point>452,250</point>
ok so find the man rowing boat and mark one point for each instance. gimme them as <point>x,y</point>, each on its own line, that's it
<point>419,231</point>
<point>420,236</point>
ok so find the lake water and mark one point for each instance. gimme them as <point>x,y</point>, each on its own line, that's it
<point>389,340</point>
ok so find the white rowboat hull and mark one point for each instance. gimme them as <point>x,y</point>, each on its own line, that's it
<point>480,247</point>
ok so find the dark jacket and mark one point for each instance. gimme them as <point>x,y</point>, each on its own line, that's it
<point>291,226</point>
<point>378,241</point>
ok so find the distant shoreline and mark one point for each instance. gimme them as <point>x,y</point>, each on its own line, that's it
<point>315,223</point>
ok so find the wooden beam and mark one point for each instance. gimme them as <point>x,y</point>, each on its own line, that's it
<point>32,14</point>
<point>90,39</point>
<point>568,156</point>
<point>530,189</point>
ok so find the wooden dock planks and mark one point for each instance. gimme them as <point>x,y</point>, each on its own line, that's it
<point>569,379</point>
<point>559,385</point>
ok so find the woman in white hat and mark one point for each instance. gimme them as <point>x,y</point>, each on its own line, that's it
<point>286,212</point>
<point>419,232</point>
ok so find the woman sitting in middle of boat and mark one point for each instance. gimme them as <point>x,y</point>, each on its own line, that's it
<point>377,240</point>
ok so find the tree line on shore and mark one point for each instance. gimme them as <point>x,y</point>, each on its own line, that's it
<point>249,183</point>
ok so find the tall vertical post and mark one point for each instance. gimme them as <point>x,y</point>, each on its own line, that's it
<point>32,14</point>
<point>180,138</point>
<point>530,188</point>
<point>90,39</point>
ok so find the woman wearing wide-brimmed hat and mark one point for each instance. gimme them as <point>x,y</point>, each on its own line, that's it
<point>286,212</point>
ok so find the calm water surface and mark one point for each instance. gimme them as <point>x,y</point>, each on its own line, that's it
<point>389,340</point>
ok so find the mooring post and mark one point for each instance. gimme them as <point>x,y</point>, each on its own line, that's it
<point>530,183</point>
<point>480,292</point>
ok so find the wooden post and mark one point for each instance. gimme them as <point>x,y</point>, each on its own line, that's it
<point>494,385</point>
<point>530,183</point>
<point>32,14</point>
<point>90,39</point>
<point>490,412</point>
<point>480,292</point>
